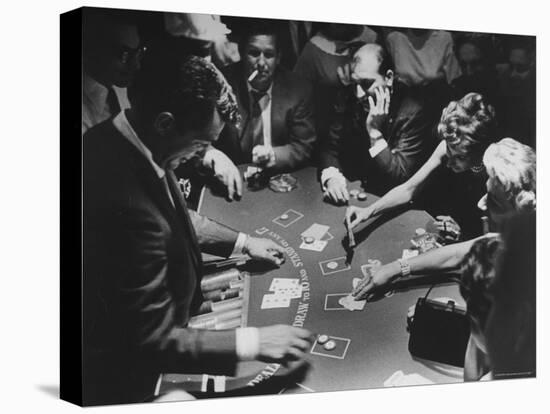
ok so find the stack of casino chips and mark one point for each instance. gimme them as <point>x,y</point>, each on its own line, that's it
<point>223,307</point>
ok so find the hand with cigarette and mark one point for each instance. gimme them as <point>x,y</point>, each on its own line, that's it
<point>264,156</point>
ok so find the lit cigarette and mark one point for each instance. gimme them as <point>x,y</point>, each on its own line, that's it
<point>253,75</point>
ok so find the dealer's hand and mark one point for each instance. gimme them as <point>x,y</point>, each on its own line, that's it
<point>336,190</point>
<point>379,109</point>
<point>265,250</point>
<point>281,343</point>
<point>356,215</point>
<point>448,228</point>
<point>380,277</point>
<point>263,155</point>
<point>225,171</point>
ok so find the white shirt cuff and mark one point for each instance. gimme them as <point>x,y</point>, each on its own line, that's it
<point>378,147</point>
<point>247,343</point>
<point>239,244</point>
<point>329,173</point>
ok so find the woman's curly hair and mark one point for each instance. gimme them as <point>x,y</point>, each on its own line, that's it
<point>469,122</point>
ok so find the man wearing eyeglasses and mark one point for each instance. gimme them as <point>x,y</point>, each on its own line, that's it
<point>111,57</point>
<point>380,133</point>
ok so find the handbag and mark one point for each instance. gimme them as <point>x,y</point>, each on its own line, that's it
<point>439,331</point>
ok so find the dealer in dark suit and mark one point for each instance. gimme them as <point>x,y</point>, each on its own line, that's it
<point>381,133</point>
<point>277,131</point>
<point>142,263</point>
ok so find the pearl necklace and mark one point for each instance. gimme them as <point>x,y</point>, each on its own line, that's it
<point>476,169</point>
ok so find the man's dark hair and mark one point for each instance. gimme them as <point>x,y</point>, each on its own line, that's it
<point>98,24</point>
<point>188,87</point>
<point>256,27</point>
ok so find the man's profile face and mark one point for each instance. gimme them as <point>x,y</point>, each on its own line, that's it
<point>120,60</point>
<point>260,53</point>
<point>365,74</point>
<point>184,146</point>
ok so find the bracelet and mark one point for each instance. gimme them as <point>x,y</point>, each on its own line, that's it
<point>405,267</point>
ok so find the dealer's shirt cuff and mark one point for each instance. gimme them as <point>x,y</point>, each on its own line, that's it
<point>380,145</point>
<point>239,244</point>
<point>328,173</point>
<point>247,343</point>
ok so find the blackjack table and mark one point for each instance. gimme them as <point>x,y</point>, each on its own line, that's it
<point>371,343</point>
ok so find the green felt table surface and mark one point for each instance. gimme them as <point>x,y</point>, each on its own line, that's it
<point>377,334</point>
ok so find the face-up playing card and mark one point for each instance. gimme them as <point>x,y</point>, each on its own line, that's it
<point>351,304</point>
<point>287,218</point>
<point>292,292</point>
<point>317,231</point>
<point>275,300</point>
<point>355,281</point>
<point>335,265</point>
<point>339,351</point>
<point>316,246</point>
<point>284,283</point>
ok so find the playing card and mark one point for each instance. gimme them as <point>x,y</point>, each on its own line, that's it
<point>408,253</point>
<point>275,300</point>
<point>283,283</point>
<point>287,218</point>
<point>292,292</point>
<point>317,231</point>
<point>335,265</point>
<point>351,304</point>
<point>332,301</point>
<point>316,246</point>
<point>356,281</point>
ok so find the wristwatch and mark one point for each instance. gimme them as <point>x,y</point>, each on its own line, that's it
<point>405,267</point>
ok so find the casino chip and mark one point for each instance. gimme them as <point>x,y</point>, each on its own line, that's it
<point>309,240</point>
<point>330,345</point>
<point>322,339</point>
<point>362,196</point>
<point>354,192</point>
<point>283,183</point>
<point>420,231</point>
<point>284,217</point>
<point>332,265</point>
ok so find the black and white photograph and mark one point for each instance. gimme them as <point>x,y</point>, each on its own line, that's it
<point>283,206</point>
<point>266,207</point>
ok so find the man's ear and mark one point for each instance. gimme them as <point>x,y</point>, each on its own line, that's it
<point>164,123</point>
<point>389,78</point>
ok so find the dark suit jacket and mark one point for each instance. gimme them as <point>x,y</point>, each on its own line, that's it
<point>408,132</point>
<point>292,127</point>
<point>141,275</point>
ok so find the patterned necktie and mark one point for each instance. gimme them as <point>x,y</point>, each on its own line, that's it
<point>254,134</point>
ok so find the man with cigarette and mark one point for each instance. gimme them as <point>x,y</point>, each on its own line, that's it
<point>277,131</point>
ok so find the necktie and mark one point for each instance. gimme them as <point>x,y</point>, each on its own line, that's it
<point>112,102</point>
<point>254,134</point>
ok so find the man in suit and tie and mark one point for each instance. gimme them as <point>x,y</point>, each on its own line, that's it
<point>141,259</point>
<point>277,130</point>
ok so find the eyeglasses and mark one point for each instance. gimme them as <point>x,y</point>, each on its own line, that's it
<point>126,54</point>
